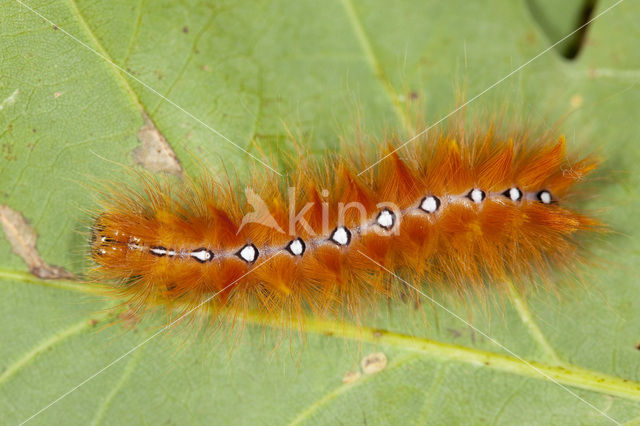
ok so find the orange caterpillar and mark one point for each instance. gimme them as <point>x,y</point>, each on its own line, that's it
<point>458,213</point>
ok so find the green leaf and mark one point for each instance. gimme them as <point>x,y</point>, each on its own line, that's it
<point>249,70</point>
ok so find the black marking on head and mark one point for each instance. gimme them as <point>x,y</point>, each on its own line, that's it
<point>514,194</point>
<point>158,251</point>
<point>476,195</point>
<point>249,253</point>
<point>429,204</point>
<point>296,247</point>
<point>386,219</point>
<point>201,254</point>
<point>544,197</point>
<point>97,226</point>
<point>96,230</point>
<point>341,236</point>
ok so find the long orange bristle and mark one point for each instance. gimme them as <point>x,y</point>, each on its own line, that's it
<point>469,211</point>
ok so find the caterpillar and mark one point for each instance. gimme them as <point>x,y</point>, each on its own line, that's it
<point>455,210</point>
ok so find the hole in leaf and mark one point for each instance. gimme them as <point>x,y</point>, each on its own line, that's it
<point>558,19</point>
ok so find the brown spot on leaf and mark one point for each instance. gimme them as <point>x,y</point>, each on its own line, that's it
<point>350,377</point>
<point>373,363</point>
<point>7,150</point>
<point>22,238</point>
<point>454,333</point>
<point>155,154</point>
<point>56,95</point>
<point>185,29</point>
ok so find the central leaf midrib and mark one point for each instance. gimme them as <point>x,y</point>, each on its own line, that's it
<point>565,374</point>
<point>100,48</point>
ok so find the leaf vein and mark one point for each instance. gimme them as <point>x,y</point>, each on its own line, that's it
<point>187,61</point>
<point>128,370</point>
<point>534,331</point>
<point>372,60</point>
<point>55,339</point>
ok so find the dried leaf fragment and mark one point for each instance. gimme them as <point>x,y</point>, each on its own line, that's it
<point>22,238</point>
<point>155,154</point>
<point>373,363</point>
<point>350,377</point>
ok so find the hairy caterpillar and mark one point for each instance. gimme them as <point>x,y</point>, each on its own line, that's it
<point>309,55</point>
<point>461,211</point>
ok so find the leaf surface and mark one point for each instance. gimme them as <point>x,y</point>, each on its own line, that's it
<point>249,69</point>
